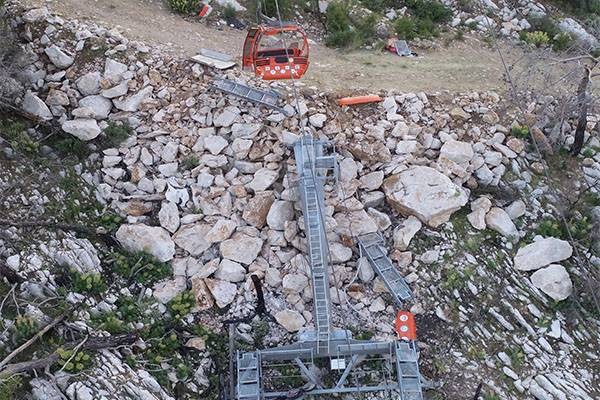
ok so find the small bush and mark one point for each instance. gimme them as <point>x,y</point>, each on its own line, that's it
<point>339,26</point>
<point>270,8</point>
<point>90,283</point>
<point>545,24</point>
<point>184,6</point>
<point>229,13</point>
<point>15,133</point>
<point>406,28</point>
<point>182,304</point>
<point>73,363</point>
<point>191,162</point>
<point>9,386</point>
<point>110,221</point>
<point>550,228</point>
<point>561,42</point>
<point>25,328</point>
<point>431,10</point>
<point>519,131</point>
<point>537,38</point>
<point>110,323</point>
<point>141,267</point>
<point>116,133</point>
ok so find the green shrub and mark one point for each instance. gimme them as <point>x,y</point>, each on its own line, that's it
<point>519,131</point>
<point>339,26</point>
<point>430,9</point>
<point>537,38</point>
<point>9,386</point>
<point>110,323</point>
<point>141,267</point>
<point>116,133</point>
<point>73,363</point>
<point>70,146</point>
<point>182,304</point>
<point>561,42</point>
<point>110,221</point>
<point>90,283</point>
<point>25,328</point>
<point>406,28</point>
<point>191,162</point>
<point>15,133</point>
<point>229,13</point>
<point>550,228</point>
<point>184,6</point>
<point>545,24</point>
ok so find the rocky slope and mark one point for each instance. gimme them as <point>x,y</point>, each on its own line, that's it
<point>200,195</point>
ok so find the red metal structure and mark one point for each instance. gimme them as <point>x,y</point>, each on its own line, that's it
<point>266,54</point>
<point>406,328</point>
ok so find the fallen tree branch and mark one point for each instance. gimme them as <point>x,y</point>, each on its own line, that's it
<point>92,344</point>
<point>107,237</point>
<point>31,341</point>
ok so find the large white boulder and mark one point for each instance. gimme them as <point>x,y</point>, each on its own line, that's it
<point>58,57</point>
<point>541,253</point>
<point>149,239</point>
<point>99,105</point>
<point>192,238</point>
<point>291,320</point>
<point>36,106</point>
<point>425,193</point>
<point>499,220</point>
<point>554,280</point>
<point>280,212</point>
<point>577,31</point>
<point>241,248</point>
<point>83,129</point>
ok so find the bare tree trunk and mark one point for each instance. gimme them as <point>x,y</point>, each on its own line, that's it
<point>583,105</point>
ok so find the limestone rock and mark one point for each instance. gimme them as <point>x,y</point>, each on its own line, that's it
<point>354,223</point>
<point>222,291</point>
<point>425,193</point>
<point>280,212</point>
<point>133,102</point>
<point>294,283</point>
<point>554,280</point>
<point>166,291</point>
<point>404,232</point>
<point>542,252</point>
<point>193,238</point>
<point>58,57</point>
<point>230,271</point>
<point>257,209</point>
<point>150,239</point>
<point>291,320</point>
<point>204,300</point>
<point>498,220</point>
<point>169,216</point>
<point>241,248</point>
<point>99,105</point>
<point>35,106</point>
<point>339,253</point>
<point>83,129</point>
<point>459,152</point>
<point>114,70</point>
<point>263,179</point>
<point>89,84</point>
<point>365,270</point>
<point>220,231</point>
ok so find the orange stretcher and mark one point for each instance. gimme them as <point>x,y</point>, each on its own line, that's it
<point>350,101</point>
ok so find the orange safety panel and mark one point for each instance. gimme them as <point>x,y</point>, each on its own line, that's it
<point>349,101</point>
<point>406,329</point>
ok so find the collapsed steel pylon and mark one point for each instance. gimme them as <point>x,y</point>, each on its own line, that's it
<point>264,374</point>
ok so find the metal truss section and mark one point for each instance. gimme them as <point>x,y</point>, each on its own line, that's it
<point>372,246</point>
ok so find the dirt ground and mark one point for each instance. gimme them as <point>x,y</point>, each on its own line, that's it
<point>463,66</point>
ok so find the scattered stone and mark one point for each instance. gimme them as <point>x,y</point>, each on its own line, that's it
<point>542,252</point>
<point>58,57</point>
<point>222,291</point>
<point>36,107</point>
<point>280,212</point>
<point>241,248</point>
<point>149,239</point>
<point>498,220</point>
<point>405,231</point>
<point>230,271</point>
<point>291,320</point>
<point>169,216</point>
<point>554,280</point>
<point>425,193</point>
<point>83,129</point>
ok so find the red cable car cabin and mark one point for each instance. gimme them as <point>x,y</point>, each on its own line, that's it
<point>265,54</point>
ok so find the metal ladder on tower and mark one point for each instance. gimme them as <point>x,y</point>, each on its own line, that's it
<point>371,245</point>
<point>266,98</point>
<point>407,367</point>
<point>248,373</point>
<point>310,160</point>
<point>318,261</point>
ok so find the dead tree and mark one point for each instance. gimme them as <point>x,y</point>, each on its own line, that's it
<point>583,106</point>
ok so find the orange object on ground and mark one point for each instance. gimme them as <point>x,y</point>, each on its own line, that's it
<point>206,9</point>
<point>406,329</point>
<point>349,101</point>
<point>264,52</point>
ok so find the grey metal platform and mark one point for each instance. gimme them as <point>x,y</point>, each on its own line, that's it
<point>372,246</point>
<point>350,360</point>
<point>266,98</point>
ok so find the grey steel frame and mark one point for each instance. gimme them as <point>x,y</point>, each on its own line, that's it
<point>325,342</point>
<point>266,98</point>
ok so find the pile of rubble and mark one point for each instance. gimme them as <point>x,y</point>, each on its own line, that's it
<point>206,183</point>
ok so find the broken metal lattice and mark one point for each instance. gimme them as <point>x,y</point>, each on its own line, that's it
<point>267,98</point>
